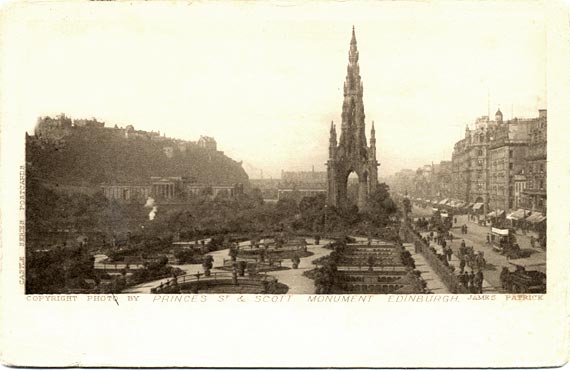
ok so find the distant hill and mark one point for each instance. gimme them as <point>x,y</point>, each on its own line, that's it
<point>73,153</point>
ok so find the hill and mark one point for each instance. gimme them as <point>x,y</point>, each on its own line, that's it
<point>75,153</point>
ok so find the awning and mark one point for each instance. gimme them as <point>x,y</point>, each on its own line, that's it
<point>470,205</point>
<point>517,215</point>
<point>443,202</point>
<point>535,218</point>
<point>495,213</point>
<point>477,206</point>
<point>460,205</point>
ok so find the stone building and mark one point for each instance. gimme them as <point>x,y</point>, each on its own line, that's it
<point>519,187</point>
<point>423,182</point>
<point>402,182</point>
<point>309,177</point>
<point>442,179</point>
<point>208,143</point>
<point>470,163</point>
<point>214,190</point>
<point>127,193</point>
<point>53,129</point>
<point>168,190</point>
<point>535,192</point>
<point>460,170</point>
<point>507,153</point>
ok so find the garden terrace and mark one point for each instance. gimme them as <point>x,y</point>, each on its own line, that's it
<point>254,265</point>
<point>387,282</point>
<point>222,282</point>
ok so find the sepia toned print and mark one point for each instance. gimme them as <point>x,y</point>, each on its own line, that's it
<point>113,208</point>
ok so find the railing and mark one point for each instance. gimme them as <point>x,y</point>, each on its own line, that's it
<point>267,263</point>
<point>213,277</point>
<point>450,280</point>
<point>117,266</point>
<point>366,268</point>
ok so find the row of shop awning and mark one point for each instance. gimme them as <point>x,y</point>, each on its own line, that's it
<point>496,213</point>
<point>536,218</point>
<point>444,202</point>
<point>477,205</point>
<point>520,214</point>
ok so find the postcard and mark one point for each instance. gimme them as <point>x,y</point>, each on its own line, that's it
<point>284,184</point>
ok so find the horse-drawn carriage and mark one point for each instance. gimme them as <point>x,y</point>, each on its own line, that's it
<point>505,242</point>
<point>523,280</point>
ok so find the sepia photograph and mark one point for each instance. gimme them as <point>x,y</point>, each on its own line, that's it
<point>331,153</point>
<point>199,186</point>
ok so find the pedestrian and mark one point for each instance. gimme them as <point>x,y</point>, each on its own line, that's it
<point>479,280</point>
<point>462,265</point>
<point>465,280</point>
<point>532,241</point>
<point>488,239</point>
<point>465,229</point>
<point>449,253</point>
<point>470,280</point>
<point>505,283</point>
<point>463,243</point>
<point>461,278</point>
<point>454,220</point>
<point>443,244</point>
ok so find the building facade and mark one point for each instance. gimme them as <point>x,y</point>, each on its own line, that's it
<point>535,191</point>
<point>498,166</point>
<point>507,158</point>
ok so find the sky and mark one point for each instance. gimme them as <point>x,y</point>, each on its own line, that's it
<point>265,79</point>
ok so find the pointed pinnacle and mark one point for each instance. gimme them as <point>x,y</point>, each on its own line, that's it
<point>353,41</point>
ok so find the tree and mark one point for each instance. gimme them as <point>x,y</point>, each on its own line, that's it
<point>380,206</point>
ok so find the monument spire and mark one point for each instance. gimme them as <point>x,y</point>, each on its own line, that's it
<point>352,154</point>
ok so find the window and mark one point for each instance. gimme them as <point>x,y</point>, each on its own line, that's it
<point>510,166</point>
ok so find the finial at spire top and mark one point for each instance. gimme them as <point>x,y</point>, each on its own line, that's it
<point>353,41</point>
